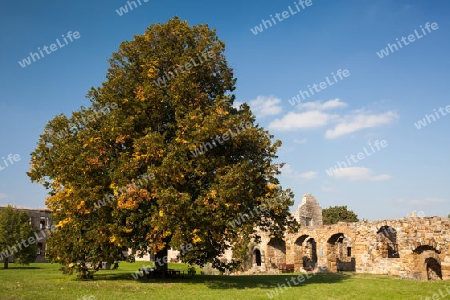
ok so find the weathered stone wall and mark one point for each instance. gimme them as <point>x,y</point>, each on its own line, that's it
<point>413,248</point>
<point>309,212</point>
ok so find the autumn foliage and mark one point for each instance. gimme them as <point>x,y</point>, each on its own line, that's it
<point>153,131</point>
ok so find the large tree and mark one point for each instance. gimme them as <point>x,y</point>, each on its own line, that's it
<point>172,162</point>
<point>17,237</point>
<point>332,215</point>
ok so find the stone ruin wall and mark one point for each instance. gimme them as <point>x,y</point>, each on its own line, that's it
<point>309,209</point>
<point>369,247</point>
<point>412,248</point>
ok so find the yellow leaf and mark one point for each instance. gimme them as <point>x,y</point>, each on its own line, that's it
<point>271,186</point>
<point>151,72</point>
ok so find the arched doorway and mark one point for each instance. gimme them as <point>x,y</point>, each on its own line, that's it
<point>387,242</point>
<point>276,252</point>
<point>257,257</point>
<point>431,265</point>
<point>298,250</point>
<point>433,268</point>
<point>339,253</point>
<point>310,254</point>
<point>305,252</point>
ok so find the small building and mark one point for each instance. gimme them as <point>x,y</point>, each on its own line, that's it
<point>41,220</point>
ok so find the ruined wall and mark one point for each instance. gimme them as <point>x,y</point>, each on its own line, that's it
<point>413,248</point>
<point>309,212</point>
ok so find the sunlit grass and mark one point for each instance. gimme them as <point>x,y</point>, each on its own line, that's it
<point>45,281</point>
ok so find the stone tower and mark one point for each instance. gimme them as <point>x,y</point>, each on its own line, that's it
<point>309,212</point>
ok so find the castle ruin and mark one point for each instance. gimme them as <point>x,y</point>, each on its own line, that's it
<point>412,248</point>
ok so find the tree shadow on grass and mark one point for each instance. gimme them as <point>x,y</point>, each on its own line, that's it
<point>271,281</point>
<point>120,275</point>
<point>251,281</point>
<point>19,268</point>
<point>127,275</point>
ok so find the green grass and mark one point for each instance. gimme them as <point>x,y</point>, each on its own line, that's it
<point>45,281</point>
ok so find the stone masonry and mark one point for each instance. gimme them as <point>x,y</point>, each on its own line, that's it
<point>309,212</point>
<point>412,248</point>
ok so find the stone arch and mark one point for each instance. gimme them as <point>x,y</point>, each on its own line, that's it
<point>309,258</point>
<point>422,248</point>
<point>299,249</point>
<point>339,253</point>
<point>276,252</point>
<point>433,269</point>
<point>428,263</point>
<point>257,257</point>
<point>299,241</point>
<point>387,245</point>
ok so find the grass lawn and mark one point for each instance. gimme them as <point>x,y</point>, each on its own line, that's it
<point>45,281</point>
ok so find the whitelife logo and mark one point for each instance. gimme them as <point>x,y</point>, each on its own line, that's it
<point>158,263</point>
<point>124,9</point>
<point>225,137</point>
<point>109,198</point>
<point>319,87</point>
<point>285,14</point>
<point>423,122</point>
<point>355,158</point>
<point>53,47</point>
<point>15,157</point>
<point>411,38</point>
<point>83,121</point>
<point>31,240</point>
<point>162,80</point>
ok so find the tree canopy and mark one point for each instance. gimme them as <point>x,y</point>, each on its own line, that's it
<point>16,237</point>
<point>335,214</point>
<point>169,162</point>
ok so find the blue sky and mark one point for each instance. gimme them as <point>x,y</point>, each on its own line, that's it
<point>379,100</point>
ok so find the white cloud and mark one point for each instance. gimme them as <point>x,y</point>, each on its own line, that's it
<point>300,141</point>
<point>291,173</point>
<point>359,121</point>
<point>265,106</point>
<point>3,196</point>
<point>318,105</point>
<point>313,115</point>
<point>308,119</point>
<point>358,173</point>
<point>328,189</point>
<point>426,201</point>
<point>308,175</point>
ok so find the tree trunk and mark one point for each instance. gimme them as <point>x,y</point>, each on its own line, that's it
<point>5,263</point>
<point>161,258</point>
